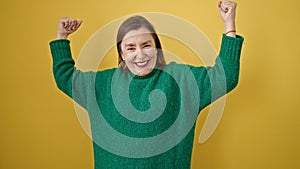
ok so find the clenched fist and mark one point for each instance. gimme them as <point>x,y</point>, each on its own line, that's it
<point>66,26</point>
<point>227,12</point>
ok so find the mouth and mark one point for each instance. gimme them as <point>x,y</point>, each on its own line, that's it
<point>142,64</point>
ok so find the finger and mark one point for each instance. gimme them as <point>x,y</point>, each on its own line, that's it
<point>63,22</point>
<point>68,22</point>
<point>229,4</point>
<point>63,19</point>
<point>72,23</point>
<point>78,24</point>
<point>225,6</point>
<point>220,9</point>
<point>230,7</point>
<point>221,6</point>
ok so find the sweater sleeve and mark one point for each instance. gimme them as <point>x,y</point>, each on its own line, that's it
<point>73,82</point>
<point>214,82</point>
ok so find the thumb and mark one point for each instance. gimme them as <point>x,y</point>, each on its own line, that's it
<point>219,3</point>
<point>77,24</point>
<point>222,8</point>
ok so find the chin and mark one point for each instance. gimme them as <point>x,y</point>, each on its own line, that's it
<point>143,73</point>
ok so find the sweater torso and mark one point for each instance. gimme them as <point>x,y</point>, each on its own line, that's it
<point>151,107</point>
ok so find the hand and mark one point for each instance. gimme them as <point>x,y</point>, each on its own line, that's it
<point>227,12</point>
<point>67,26</point>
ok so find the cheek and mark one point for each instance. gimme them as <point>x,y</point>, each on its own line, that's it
<point>128,56</point>
<point>124,52</point>
<point>150,52</point>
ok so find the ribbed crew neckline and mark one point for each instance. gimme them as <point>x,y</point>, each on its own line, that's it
<point>145,76</point>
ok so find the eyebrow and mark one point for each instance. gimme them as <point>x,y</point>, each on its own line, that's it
<point>132,44</point>
<point>148,41</point>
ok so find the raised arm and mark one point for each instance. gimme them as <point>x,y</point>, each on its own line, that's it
<point>69,80</point>
<point>216,81</point>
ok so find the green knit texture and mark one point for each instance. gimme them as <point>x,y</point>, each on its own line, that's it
<point>142,107</point>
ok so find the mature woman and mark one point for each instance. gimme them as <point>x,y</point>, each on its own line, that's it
<point>145,98</point>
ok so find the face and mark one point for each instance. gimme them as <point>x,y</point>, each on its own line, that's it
<point>139,51</point>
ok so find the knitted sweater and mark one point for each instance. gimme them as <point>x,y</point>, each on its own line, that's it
<point>146,122</point>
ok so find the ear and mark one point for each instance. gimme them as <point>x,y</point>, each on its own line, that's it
<point>123,57</point>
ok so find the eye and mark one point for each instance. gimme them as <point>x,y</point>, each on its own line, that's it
<point>147,46</point>
<point>130,49</point>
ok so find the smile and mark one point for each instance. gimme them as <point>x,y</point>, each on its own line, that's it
<point>142,64</point>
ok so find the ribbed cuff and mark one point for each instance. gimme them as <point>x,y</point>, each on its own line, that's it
<point>231,47</point>
<point>60,49</point>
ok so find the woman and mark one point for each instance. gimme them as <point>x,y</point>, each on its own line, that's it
<point>145,98</point>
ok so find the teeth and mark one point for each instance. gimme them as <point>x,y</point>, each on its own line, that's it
<point>142,63</point>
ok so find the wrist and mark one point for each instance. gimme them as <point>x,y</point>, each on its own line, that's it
<point>61,36</point>
<point>231,33</point>
<point>229,23</point>
<point>229,26</point>
<point>229,29</point>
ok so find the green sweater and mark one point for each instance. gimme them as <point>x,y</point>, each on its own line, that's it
<point>146,122</point>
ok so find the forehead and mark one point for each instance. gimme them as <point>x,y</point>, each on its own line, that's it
<point>141,34</point>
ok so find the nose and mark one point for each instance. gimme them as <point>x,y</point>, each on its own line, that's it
<point>139,53</point>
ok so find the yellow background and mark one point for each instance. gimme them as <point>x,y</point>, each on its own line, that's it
<point>260,126</point>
